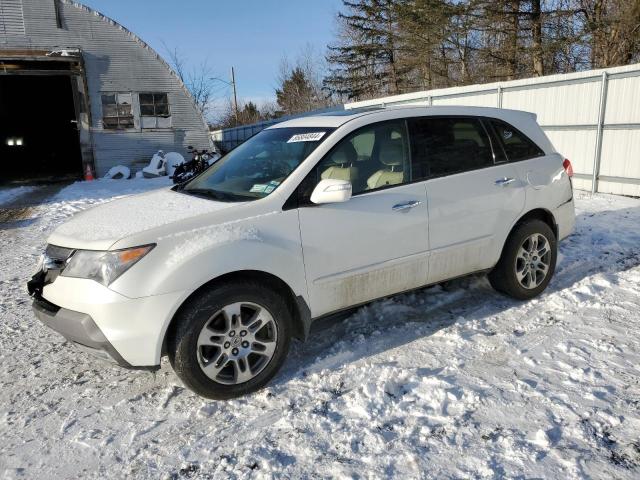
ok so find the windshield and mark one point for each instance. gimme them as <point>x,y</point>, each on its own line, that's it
<point>258,166</point>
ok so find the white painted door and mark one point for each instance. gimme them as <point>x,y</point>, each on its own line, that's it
<point>474,195</point>
<point>365,249</point>
<point>470,215</point>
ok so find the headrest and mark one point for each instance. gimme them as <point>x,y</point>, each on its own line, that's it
<point>344,154</point>
<point>391,153</point>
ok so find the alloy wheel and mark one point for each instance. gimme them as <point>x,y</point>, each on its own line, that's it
<point>237,343</point>
<point>533,261</point>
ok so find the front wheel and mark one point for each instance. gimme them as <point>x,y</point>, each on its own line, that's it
<point>231,340</point>
<point>528,261</point>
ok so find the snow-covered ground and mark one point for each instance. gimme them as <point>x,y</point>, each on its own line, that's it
<point>7,194</point>
<point>449,382</point>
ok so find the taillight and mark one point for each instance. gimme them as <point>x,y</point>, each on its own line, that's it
<point>567,167</point>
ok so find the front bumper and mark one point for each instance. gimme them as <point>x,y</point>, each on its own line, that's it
<point>80,329</point>
<point>129,331</point>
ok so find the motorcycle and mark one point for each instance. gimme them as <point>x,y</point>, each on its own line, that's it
<point>200,161</point>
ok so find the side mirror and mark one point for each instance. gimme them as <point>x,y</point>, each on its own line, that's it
<point>331,191</point>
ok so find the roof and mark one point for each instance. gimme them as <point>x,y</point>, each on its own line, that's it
<point>335,120</point>
<point>143,45</point>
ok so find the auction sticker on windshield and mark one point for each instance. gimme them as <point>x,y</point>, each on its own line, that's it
<point>306,137</point>
<point>258,188</point>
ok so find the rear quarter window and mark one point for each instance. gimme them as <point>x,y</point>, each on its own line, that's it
<point>517,146</point>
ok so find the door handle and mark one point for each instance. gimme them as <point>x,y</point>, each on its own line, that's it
<point>405,206</point>
<point>501,182</point>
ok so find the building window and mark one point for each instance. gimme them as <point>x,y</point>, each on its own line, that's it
<point>117,113</point>
<point>154,110</point>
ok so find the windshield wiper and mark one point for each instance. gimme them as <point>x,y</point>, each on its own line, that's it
<point>214,194</point>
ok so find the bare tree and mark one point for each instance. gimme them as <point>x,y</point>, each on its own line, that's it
<point>198,79</point>
<point>612,29</point>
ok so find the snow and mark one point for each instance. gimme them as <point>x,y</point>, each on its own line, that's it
<point>199,240</point>
<point>8,194</point>
<point>453,381</point>
<point>134,214</point>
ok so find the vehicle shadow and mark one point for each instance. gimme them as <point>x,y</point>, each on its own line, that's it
<point>606,242</point>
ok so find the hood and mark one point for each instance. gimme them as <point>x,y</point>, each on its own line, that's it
<point>100,227</point>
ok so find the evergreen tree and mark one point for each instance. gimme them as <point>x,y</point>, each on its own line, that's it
<point>296,94</point>
<point>424,29</point>
<point>366,60</point>
<point>386,47</point>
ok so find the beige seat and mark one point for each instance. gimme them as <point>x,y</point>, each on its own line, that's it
<point>392,156</point>
<point>342,168</point>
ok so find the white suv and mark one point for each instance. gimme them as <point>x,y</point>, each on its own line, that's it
<point>310,217</point>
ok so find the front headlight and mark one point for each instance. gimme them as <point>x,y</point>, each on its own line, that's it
<point>103,267</point>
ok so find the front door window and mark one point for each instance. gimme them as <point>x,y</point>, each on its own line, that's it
<point>374,157</point>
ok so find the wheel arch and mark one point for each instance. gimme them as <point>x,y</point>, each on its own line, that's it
<point>538,214</point>
<point>541,214</point>
<point>298,306</point>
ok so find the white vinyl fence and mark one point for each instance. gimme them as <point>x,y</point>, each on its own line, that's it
<point>592,118</point>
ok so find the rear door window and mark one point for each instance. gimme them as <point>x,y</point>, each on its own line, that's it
<point>517,145</point>
<point>447,145</point>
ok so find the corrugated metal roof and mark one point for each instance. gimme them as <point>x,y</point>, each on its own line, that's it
<point>11,17</point>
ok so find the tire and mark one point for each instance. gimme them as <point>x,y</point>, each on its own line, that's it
<point>202,337</point>
<point>520,273</point>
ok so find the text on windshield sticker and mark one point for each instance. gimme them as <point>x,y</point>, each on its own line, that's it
<point>306,137</point>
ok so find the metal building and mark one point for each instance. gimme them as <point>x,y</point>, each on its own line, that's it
<point>77,89</point>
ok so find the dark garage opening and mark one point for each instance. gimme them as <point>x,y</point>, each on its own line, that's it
<point>38,130</point>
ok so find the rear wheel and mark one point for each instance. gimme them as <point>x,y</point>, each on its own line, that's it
<point>231,341</point>
<point>528,261</point>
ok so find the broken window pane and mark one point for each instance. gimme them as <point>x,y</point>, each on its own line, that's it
<point>117,112</point>
<point>125,99</point>
<point>124,110</point>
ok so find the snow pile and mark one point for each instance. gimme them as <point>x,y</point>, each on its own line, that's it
<point>81,196</point>
<point>453,381</point>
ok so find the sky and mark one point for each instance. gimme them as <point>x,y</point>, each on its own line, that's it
<point>250,35</point>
